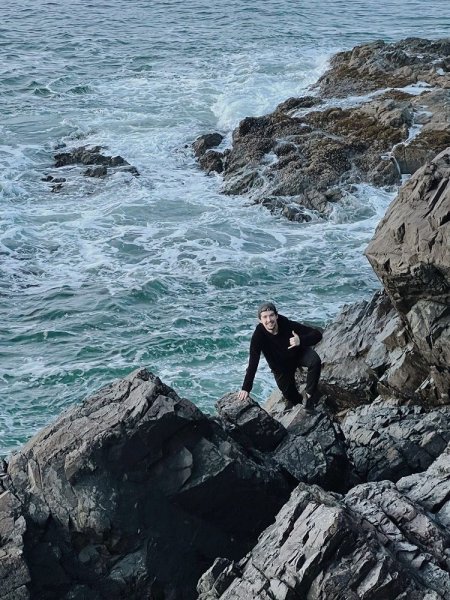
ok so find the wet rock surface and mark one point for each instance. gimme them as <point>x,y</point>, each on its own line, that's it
<point>310,151</point>
<point>99,164</point>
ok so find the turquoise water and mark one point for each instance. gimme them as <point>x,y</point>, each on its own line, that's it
<point>162,270</point>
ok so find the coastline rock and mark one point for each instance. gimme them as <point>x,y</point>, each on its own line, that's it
<point>378,65</point>
<point>249,424</point>
<point>131,493</point>
<point>322,546</point>
<point>310,146</point>
<point>387,441</point>
<point>309,447</point>
<point>410,253</point>
<point>205,142</point>
<point>355,350</point>
<point>14,573</point>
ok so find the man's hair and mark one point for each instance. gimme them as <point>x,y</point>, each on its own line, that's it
<point>266,306</point>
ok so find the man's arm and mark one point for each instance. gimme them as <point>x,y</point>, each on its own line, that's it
<point>309,336</point>
<point>253,362</point>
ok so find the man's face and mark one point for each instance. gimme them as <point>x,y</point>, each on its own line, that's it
<point>269,320</point>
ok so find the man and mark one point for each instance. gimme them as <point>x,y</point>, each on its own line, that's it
<point>286,345</point>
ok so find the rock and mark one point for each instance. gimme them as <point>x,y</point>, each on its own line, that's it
<point>314,450</point>
<point>211,161</point>
<point>135,493</point>
<point>431,489</point>
<point>355,350</point>
<point>410,253</point>
<point>249,424</point>
<point>387,441</point>
<point>14,573</point>
<point>306,148</point>
<point>84,155</point>
<point>322,547</point>
<point>100,171</point>
<point>206,142</point>
<point>88,156</point>
<point>378,65</point>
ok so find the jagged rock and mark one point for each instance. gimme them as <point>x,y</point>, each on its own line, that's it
<point>355,350</point>
<point>387,441</point>
<point>307,147</point>
<point>93,156</point>
<point>100,171</point>
<point>206,142</point>
<point>211,161</point>
<point>249,424</point>
<point>134,493</point>
<point>321,547</point>
<point>430,489</point>
<point>314,449</point>
<point>410,253</point>
<point>378,65</point>
<point>14,573</point>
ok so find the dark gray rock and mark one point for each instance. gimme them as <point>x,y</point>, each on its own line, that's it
<point>387,441</point>
<point>323,547</point>
<point>14,573</point>
<point>410,253</point>
<point>135,493</point>
<point>212,161</point>
<point>249,424</point>
<point>100,171</point>
<point>206,142</point>
<point>356,350</point>
<point>430,489</point>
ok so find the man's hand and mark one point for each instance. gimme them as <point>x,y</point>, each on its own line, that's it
<point>243,395</point>
<point>294,340</point>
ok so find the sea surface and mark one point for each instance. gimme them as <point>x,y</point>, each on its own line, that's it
<point>161,270</point>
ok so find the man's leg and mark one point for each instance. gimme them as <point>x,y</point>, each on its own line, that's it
<point>286,384</point>
<point>311,360</point>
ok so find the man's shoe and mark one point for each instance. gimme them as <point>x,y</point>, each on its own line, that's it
<point>309,403</point>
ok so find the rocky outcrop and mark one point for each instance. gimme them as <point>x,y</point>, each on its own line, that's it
<point>398,343</point>
<point>99,164</point>
<point>410,253</point>
<point>132,494</point>
<point>379,65</point>
<point>307,153</point>
<point>373,543</point>
<point>386,440</point>
<point>308,447</point>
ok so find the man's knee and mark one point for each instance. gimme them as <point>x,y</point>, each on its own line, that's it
<point>310,359</point>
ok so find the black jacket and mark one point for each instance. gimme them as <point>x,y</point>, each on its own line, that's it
<point>276,348</point>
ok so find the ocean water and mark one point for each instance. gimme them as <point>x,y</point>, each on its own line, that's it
<point>161,270</point>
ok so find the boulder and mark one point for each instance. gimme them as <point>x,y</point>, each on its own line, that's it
<point>249,424</point>
<point>205,142</point>
<point>134,493</point>
<point>356,350</point>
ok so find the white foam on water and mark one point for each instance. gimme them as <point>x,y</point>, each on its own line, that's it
<point>160,270</point>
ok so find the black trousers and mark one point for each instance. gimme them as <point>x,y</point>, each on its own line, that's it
<point>286,381</point>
